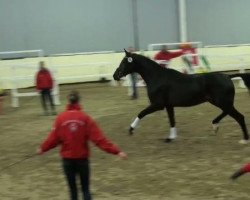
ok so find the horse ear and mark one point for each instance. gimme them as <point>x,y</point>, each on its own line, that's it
<point>127,53</point>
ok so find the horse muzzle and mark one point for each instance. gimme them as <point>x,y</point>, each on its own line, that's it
<point>117,75</point>
<point>116,78</point>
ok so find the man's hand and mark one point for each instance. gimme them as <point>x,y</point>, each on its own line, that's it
<point>123,155</point>
<point>39,151</point>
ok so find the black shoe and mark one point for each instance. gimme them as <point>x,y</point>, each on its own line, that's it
<point>168,140</point>
<point>237,174</point>
<point>133,98</point>
<point>54,113</point>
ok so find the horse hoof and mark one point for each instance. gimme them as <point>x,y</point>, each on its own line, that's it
<point>131,131</point>
<point>215,127</point>
<point>168,140</point>
<point>243,141</point>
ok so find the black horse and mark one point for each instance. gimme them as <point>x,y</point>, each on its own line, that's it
<point>168,88</point>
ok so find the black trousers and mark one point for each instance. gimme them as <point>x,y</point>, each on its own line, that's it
<point>72,168</point>
<point>45,97</point>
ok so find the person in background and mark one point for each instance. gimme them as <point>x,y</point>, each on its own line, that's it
<point>72,130</point>
<point>2,94</point>
<point>190,57</point>
<point>133,79</point>
<point>164,56</point>
<point>241,171</point>
<point>44,85</point>
<point>189,50</point>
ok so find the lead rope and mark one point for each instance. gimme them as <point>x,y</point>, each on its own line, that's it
<point>19,161</point>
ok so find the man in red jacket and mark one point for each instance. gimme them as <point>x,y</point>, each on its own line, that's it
<point>44,85</point>
<point>72,130</point>
<point>241,171</point>
<point>164,56</point>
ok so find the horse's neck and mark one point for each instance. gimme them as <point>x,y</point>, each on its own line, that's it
<point>149,71</point>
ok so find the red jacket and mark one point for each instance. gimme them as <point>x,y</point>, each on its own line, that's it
<point>44,80</point>
<point>246,168</point>
<point>167,56</point>
<point>72,130</point>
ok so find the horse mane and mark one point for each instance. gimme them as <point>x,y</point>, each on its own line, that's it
<point>146,59</point>
<point>152,63</point>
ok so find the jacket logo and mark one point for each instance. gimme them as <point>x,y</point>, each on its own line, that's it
<point>73,127</point>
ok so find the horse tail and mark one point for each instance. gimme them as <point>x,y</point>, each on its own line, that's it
<point>245,77</point>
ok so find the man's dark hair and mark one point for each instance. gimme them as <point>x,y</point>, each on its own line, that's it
<point>74,97</point>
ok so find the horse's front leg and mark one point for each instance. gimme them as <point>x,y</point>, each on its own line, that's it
<point>215,122</point>
<point>150,109</point>
<point>173,132</point>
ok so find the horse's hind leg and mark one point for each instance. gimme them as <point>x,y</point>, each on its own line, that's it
<point>217,120</point>
<point>173,132</point>
<point>241,120</point>
<point>150,109</point>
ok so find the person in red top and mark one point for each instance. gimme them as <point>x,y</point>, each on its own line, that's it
<point>164,56</point>
<point>241,171</point>
<point>44,85</point>
<point>72,130</point>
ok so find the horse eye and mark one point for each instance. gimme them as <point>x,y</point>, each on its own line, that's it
<point>130,59</point>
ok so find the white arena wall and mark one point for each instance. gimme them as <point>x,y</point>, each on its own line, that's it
<point>66,69</point>
<point>83,68</point>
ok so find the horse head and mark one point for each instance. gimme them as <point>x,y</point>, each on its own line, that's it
<point>126,66</point>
